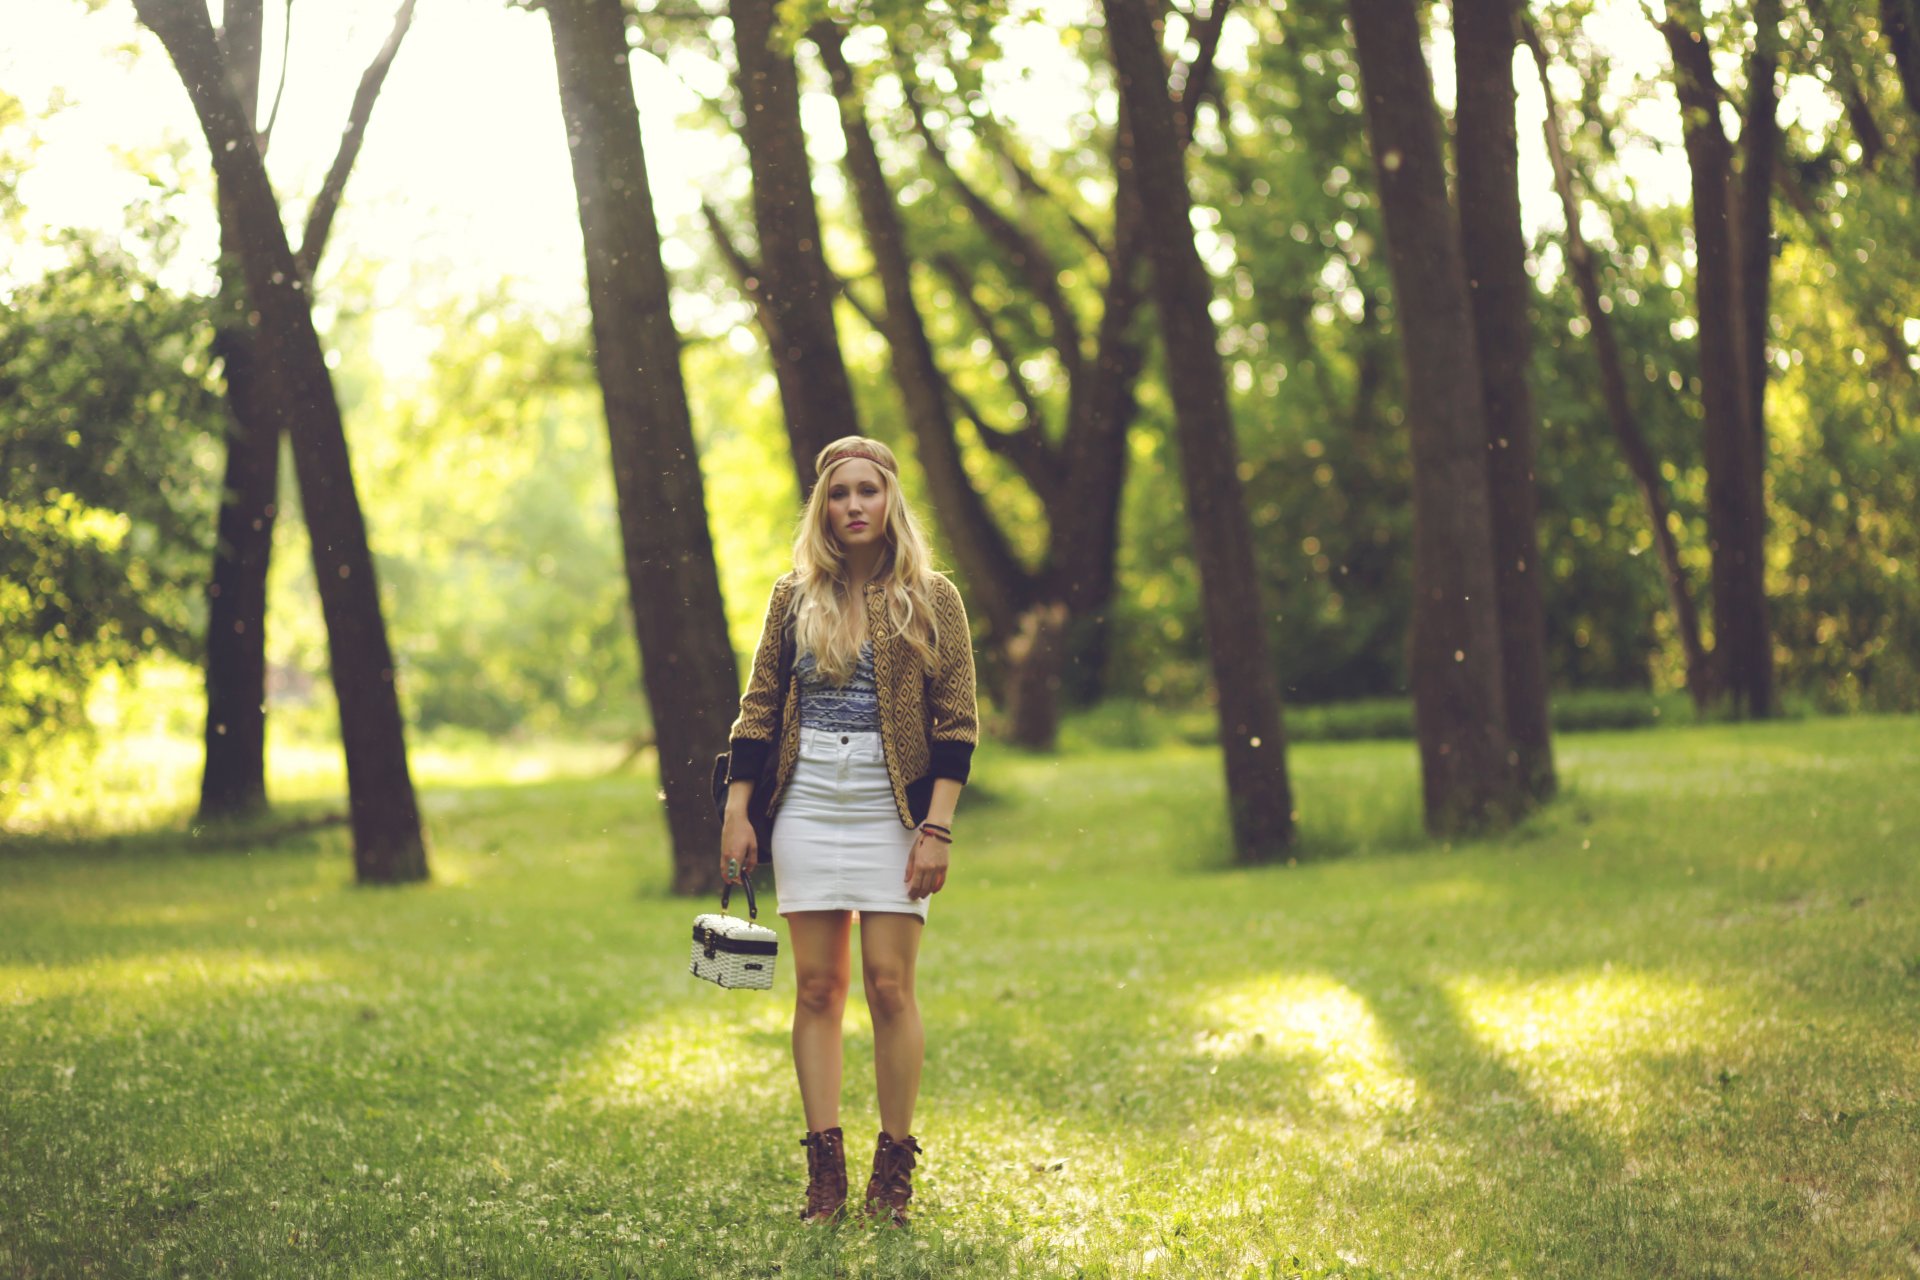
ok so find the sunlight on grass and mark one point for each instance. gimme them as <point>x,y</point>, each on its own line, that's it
<point>710,1050</point>
<point>154,975</point>
<point>1587,1039</point>
<point>1322,1025</point>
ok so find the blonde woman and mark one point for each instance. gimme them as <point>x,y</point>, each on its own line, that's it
<point>865,747</point>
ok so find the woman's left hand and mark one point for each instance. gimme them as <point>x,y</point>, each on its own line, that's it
<point>926,867</point>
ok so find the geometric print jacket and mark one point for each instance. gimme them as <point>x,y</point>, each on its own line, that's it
<point>929,723</point>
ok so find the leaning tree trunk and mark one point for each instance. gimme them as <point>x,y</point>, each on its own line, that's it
<point>1613,390</point>
<point>692,682</point>
<point>1458,694</point>
<point>797,289</point>
<point>1258,790</point>
<point>1486,158</point>
<point>999,582</point>
<point>1735,523</point>
<point>233,782</point>
<point>387,842</point>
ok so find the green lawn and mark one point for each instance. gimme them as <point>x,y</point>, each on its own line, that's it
<point>1671,1027</point>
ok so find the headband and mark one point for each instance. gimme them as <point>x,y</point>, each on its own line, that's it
<point>857,451</point>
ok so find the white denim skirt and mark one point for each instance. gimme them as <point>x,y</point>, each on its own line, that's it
<point>837,840</point>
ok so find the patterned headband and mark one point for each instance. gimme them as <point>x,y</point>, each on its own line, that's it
<point>858,451</point>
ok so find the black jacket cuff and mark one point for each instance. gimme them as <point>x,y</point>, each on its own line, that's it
<point>747,759</point>
<point>951,760</point>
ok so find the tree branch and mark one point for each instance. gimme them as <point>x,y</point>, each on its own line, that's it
<point>1190,82</point>
<point>994,135</point>
<point>327,203</point>
<point>1029,260</point>
<point>962,285</point>
<point>280,87</point>
<point>745,274</point>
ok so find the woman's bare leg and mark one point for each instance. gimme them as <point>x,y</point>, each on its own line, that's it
<point>889,949</point>
<point>822,971</point>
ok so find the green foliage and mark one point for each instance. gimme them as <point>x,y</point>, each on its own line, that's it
<point>1682,997</point>
<point>110,425</point>
<point>490,505</point>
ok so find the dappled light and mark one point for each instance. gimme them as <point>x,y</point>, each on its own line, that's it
<point>1326,591</point>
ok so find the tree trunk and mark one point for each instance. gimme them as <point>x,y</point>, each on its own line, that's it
<point>1100,410</point>
<point>998,580</point>
<point>798,289</point>
<point>1458,694</point>
<point>233,782</point>
<point>692,682</point>
<point>1486,157</point>
<point>1753,243</point>
<point>1735,523</point>
<point>1249,701</point>
<point>1613,389</point>
<point>388,843</point>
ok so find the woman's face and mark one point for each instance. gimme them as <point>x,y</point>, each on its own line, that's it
<point>856,504</point>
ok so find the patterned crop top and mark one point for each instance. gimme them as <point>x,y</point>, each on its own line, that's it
<point>852,708</point>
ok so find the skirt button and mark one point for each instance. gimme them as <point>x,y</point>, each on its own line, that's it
<point>843,739</point>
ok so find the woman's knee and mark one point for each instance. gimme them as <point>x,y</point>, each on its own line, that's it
<point>889,992</point>
<point>822,991</point>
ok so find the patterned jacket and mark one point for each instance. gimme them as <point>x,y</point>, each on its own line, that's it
<point>928,722</point>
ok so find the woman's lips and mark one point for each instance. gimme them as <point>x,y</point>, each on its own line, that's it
<point>857,524</point>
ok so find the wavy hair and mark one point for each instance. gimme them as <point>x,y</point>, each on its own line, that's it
<point>822,622</point>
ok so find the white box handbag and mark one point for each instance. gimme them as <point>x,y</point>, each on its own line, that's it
<point>731,952</point>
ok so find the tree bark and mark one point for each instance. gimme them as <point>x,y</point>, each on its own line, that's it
<point>799,291</point>
<point>1458,694</point>
<point>1613,389</point>
<point>1258,790</point>
<point>388,843</point>
<point>687,661</point>
<point>233,781</point>
<point>1494,249</point>
<point>1736,523</point>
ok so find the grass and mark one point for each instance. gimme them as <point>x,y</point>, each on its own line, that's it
<point>1671,1026</point>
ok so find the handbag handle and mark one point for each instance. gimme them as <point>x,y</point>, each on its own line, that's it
<point>746,882</point>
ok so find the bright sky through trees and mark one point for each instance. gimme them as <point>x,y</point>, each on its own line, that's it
<point>464,183</point>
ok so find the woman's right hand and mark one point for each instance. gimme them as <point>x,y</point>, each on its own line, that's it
<point>739,848</point>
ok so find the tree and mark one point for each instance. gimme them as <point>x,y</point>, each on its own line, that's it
<point>387,841</point>
<point>1458,694</point>
<point>795,289</point>
<point>106,399</point>
<point>686,656</point>
<point>1004,268</point>
<point>1634,449</point>
<point>234,779</point>
<point>1736,511</point>
<point>1249,701</point>
<point>1493,247</point>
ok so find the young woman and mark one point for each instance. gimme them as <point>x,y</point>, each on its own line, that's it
<point>859,716</point>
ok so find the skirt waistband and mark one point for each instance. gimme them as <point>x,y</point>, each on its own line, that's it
<point>837,737</point>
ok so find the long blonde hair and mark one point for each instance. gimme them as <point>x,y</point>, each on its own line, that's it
<point>823,625</point>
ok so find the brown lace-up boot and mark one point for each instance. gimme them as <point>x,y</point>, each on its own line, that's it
<point>892,1183</point>
<point>826,1174</point>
